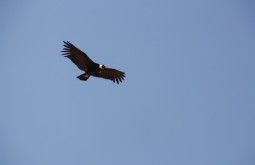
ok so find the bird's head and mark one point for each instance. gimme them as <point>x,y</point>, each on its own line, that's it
<point>102,66</point>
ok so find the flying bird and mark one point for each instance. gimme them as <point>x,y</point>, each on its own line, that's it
<point>83,62</point>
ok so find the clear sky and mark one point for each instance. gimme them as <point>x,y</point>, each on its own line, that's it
<point>188,97</point>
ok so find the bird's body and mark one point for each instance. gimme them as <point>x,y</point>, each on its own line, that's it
<point>91,68</point>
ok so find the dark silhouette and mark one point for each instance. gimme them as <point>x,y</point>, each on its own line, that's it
<point>91,68</point>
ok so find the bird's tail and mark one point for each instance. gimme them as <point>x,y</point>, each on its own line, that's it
<point>83,77</point>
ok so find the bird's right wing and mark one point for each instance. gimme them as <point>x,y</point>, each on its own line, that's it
<point>78,57</point>
<point>111,74</point>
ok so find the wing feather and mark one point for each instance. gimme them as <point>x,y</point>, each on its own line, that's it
<point>111,74</point>
<point>79,58</point>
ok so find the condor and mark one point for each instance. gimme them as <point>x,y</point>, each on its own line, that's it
<point>91,68</point>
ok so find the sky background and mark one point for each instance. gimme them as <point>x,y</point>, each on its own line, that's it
<point>188,97</point>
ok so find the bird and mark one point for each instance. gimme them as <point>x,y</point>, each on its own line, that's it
<point>91,68</point>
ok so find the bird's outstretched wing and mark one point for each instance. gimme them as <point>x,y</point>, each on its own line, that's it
<point>111,74</point>
<point>78,57</point>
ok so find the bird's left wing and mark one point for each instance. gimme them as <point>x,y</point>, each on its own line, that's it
<point>111,74</point>
<point>79,58</point>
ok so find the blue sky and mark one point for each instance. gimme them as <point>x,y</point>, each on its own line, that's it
<point>188,96</point>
